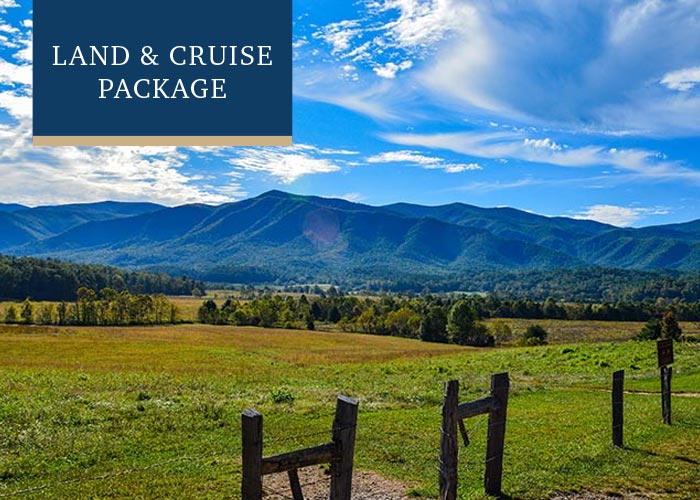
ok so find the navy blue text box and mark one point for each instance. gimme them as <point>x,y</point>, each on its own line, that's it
<point>66,98</point>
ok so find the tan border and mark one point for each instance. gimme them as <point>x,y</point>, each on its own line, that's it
<point>252,140</point>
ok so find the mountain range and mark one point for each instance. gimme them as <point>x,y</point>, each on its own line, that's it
<point>287,237</point>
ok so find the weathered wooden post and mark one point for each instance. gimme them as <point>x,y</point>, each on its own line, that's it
<point>448,442</point>
<point>500,385</point>
<point>666,374</point>
<point>344,426</point>
<point>252,425</point>
<point>617,407</point>
<point>664,351</point>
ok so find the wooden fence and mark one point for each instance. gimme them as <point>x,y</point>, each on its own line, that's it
<point>339,453</point>
<point>453,415</point>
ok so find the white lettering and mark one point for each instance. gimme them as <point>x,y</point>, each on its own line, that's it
<point>103,88</point>
<point>163,88</point>
<point>172,55</point>
<point>264,55</point>
<point>55,57</point>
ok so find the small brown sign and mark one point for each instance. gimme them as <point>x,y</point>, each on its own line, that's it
<point>664,350</point>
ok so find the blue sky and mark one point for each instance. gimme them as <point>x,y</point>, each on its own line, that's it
<point>586,109</point>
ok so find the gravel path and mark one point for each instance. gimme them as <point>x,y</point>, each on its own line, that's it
<point>369,486</point>
<point>600,496</point>
<point>366,486</point>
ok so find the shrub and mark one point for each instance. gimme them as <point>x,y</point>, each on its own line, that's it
<point>501,331</point>
<point>535,335</point>
<point>650,331</point>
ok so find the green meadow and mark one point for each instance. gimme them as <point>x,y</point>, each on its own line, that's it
<point>155,412</point>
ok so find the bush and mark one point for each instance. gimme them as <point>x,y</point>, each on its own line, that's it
<point>650,331</point>
<point>535,335</point>
<point>501,331</point>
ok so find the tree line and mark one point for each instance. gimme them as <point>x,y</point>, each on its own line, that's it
<point>106,308</point>
<point>49,279</point>
<point>431,318</point>
<point>590,284</point>
<point>410,318</point>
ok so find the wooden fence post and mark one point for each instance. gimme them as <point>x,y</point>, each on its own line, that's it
<point>344,426</point>
<point>252,426</point>
<point>294,484</point>
<point>666,373</point>
<point>617,407</point>
<point>448,442</point>
<point>500,384</point>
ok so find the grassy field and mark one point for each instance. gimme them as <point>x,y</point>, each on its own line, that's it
<point>155,412</point>
<point>568,331</point>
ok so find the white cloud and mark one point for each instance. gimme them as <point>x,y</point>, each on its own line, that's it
<point>58,175</point>
<point>482,187</point>
<point>339,35</point>
<point>353,197</point>
<point>455,168</point>
<point>545,143</point>
<point>6,28</point>
<point>417,159</point>
<point>404,157</point>
<point>349,72</point>
<point>375,100</point>
<point>16,105</point>
<point>288,163</point>
<point>12,74</point>
<point>420,23</point>
<point>389,34</point>
<point>617,215</point>
<point>390,69</point>
<point>6,4</point>
<point>682,79</point>
<point>511,145</point>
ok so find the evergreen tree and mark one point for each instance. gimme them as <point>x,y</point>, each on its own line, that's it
<point>650,331</point>
<point>27,313</point>
<point>11,316</point>
<point>669,327</point>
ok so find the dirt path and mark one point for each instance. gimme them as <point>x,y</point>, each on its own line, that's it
<point>601,496</point>
<point>675,394</point>
<point>315,483</point>
<point>370,486</point>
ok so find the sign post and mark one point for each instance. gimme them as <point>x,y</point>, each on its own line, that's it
<point>664,350</point>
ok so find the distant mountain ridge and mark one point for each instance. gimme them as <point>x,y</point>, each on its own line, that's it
<point>290,237</point>
<point>11,207</point>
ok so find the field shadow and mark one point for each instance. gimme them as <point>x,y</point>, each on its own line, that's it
<point>680,458</point>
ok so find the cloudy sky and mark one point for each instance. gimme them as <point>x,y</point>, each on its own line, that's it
<point>587,109</point>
